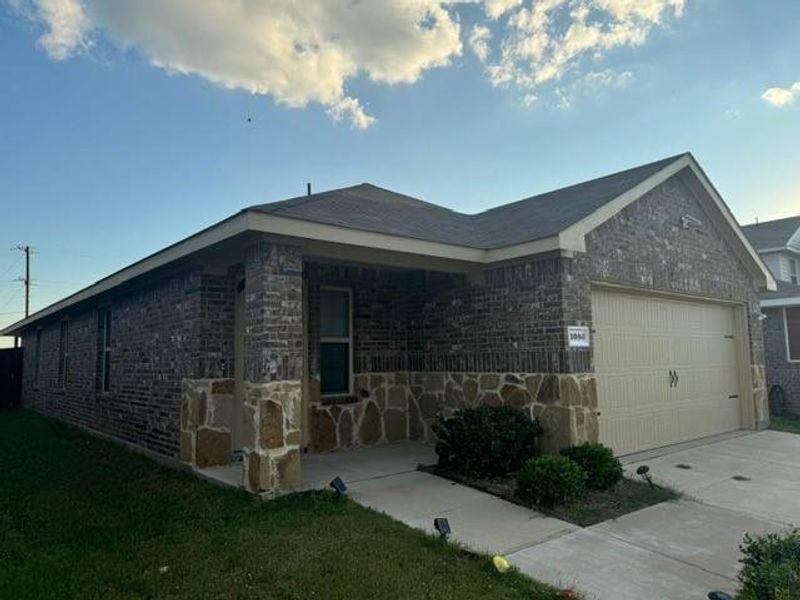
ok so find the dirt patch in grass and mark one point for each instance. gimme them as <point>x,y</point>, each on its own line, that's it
<point>627,496</point>
<point>786,423</point>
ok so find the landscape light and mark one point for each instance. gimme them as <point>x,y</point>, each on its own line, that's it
<point>442,525</point>
<point>338,485</point>
<point>644,473</point>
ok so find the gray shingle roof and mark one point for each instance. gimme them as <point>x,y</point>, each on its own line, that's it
<point>785,290</point>
<point>371,208</point>
<point>771,234</point>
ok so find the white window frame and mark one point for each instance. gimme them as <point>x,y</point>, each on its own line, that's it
<point>786,334</point>
<point>794,271</point>
<point>340,340</point>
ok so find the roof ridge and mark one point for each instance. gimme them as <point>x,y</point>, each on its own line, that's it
<point>770,222</point>
<point>666,161</point>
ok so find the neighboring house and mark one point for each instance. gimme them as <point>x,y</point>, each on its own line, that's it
<point>623,309</point>
<point>778,242</point>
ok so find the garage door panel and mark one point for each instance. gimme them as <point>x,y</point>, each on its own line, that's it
<point>638,340</point>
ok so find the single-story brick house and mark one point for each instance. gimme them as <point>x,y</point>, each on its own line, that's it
<point>624,309</point>
<point>778,243</point>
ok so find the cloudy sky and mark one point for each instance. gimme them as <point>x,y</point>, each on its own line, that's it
<point>126,125</point>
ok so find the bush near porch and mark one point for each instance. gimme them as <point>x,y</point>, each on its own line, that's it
<point>84,518</point>
<point>492,448</point>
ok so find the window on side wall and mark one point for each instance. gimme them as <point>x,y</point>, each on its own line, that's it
<point>104,350</point>
<point>792,315</point>
<point>63,353</point>
<point>336,347</point>
<point>794,271</point>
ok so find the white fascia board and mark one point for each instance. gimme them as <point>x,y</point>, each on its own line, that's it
<point>769,281</point>
<point>297,228</point>
<point>212,235</point>
<point>777,302</point>
<point>779,250</point>
<point>574,236</point>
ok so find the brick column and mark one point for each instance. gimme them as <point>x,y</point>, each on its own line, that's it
<point>273,367</point>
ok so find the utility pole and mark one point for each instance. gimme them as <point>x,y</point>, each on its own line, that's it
<point>27,279</point>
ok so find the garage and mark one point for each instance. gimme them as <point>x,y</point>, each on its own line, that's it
<point>666,369</point>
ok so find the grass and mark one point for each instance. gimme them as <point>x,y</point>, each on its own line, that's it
<point>84,518</point>
<point>627,496</point>
<point>785,423</point>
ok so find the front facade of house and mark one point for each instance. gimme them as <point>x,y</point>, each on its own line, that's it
<point>287,329</point>
<point>778,243</point>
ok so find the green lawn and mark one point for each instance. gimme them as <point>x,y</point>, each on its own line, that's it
<point>787,424</point>
<point>84,518</point>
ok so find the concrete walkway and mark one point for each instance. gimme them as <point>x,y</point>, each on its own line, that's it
<point>683,550</point>
<point>671,551</point>
<point>386,479</point>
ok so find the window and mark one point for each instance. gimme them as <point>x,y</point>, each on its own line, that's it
<point>104,350</point>
<point>792,317</point>
<point>794,273</point>
<point>335,348</point>
<point>37,357</point>
<point>63,353</point>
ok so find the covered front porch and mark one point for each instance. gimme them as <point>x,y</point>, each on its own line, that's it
<point>324,349</point>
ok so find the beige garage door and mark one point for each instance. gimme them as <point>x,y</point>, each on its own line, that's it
<point>639,340</point>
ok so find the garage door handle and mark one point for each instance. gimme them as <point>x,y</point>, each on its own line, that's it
<point>672,376</point>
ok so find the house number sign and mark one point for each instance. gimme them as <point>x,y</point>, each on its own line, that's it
<point>578,337</point>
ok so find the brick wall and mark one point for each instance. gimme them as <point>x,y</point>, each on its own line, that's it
<point>178,327</point>
<point>645,246</point>
<point>779,370</point>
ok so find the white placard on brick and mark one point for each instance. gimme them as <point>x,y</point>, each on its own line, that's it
<point>578,336</point>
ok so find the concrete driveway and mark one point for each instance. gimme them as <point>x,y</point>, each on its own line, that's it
<point>683,550</point>
<point>747,482</point>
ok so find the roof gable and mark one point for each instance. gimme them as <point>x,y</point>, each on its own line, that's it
<point>370,208</point>
<point>773,235</point>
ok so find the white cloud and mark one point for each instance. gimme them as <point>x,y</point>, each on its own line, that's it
<point>547,39</point>
<point>479,41</point>
<point>301,52</point>
<point>67,24</point>
<point>733,113</point>
<point>497,8</point>
<point>609,78</point>
<point>780,97</point>
<point>350,109</point>
<point>296,52</point>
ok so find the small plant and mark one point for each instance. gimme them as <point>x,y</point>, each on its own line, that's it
<point>486,441</point>
<point>771,567</point>
<point>551,480</point>
<point>602,468</point>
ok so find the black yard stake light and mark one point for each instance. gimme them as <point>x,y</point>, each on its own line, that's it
<point>338,485</point>
<point>644,473</point>
<point>442,525</point>
<point>719,596</point>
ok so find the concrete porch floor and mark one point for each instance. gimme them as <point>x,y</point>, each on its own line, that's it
<point>361,464</point>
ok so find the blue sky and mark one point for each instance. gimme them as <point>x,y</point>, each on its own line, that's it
<point>116,139</point>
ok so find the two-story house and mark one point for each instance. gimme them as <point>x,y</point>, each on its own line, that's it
<point>778,243</point>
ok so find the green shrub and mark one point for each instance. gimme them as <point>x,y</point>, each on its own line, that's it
<point>486,441</point>
<point>602,468</point>
<point>770,567</point>
<point>550,480</point>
